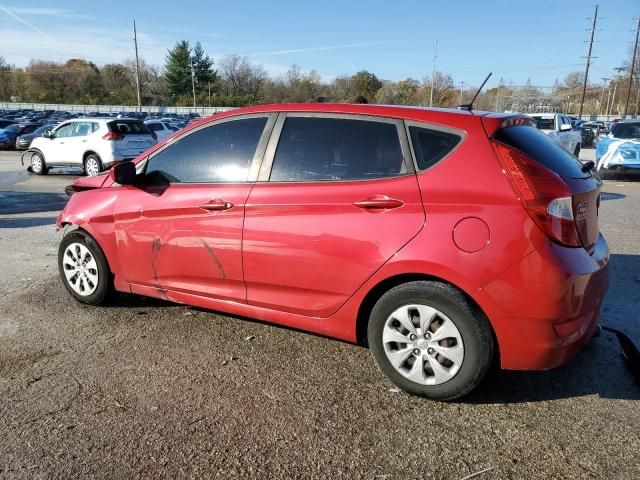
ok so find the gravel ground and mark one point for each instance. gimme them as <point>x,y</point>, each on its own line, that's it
<point>147,389</point>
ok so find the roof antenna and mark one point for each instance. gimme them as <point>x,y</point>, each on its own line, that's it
<point>469,106</point>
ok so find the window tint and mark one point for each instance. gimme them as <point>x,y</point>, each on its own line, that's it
<point>129,127</point>
<point>431,146</point>
<point>81,129</point>
<point>540,147</point>
<point>545,123</point>
<point>219,153</point>
<point>626,130</point>
<point>95,127</point>
<point>64,131</point>
<point>321,149</point>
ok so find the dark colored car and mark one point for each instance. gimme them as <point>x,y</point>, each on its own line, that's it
<point>441,239</point>
<point>24,141</point>
<point>9,134</point>
<point>587,136</point>
<point>5,123</point>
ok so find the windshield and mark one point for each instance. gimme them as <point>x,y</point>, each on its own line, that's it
<point>626,130</point>
<point>12,128</point>
<point>42,129</point>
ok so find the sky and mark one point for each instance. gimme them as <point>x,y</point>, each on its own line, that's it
<point>517,40</point>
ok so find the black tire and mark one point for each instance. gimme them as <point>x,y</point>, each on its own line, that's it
<point>471,323</point>
<point>104,287</point>
<point>38,167</point>
<point>93,158</point>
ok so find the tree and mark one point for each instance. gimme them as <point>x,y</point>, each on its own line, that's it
<point>203,66</point>
<point>241,79</point>
<point>443,90</point>
<point>178,70</point>
<point>365,84</point>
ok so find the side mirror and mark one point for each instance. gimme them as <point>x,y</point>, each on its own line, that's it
<point>48,134</point>
<point>565,128</point>
<point>125,173</point>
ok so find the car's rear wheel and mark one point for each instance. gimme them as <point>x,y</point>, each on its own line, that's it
<point>92,165</point>
<point>84,269</point>
<point>38,165</point>
<point>430,340</point>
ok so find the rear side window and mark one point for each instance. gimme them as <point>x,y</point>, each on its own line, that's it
<point>218,153</point>
<point>431,146</point>
<point>323,149</point>
<point>129,127</point>
<point>541,148</point>
<point>156,127</point>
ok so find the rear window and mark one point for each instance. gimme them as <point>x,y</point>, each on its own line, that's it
<point>626,130</point>
<point>129,127</point>
<point>156,127</point>
<point>545,123</point>
<point>541,148</point>
<point>431,146</point>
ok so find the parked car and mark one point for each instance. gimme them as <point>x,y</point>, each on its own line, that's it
<point>588,136</point>
<point>596,127</point>
<point>10,133</point>
<point>5,122</point>
<point>161,129</point>
<point>558,127</point>
<point>23,142</point>
<point>620,150</point>
<point>443,240</point>
<point>94,144</point>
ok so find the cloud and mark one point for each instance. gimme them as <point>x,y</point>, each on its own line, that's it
<point>22,20</point>
<point>50,12</point>
<point>315,49</point>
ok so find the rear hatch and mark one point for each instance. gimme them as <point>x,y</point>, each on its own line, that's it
<point>131,137</point>
<point>560,193</point>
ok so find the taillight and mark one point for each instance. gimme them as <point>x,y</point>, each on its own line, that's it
<point>113,136</point>
<point>545,195</point>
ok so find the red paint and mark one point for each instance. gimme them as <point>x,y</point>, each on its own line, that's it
<point>305,255</point>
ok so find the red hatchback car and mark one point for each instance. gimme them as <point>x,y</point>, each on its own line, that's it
<point>442,239</point>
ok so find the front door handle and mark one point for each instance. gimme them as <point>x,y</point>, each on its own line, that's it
<point>217,205</point>
<point>379,202</point>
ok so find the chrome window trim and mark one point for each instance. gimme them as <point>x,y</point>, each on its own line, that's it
<point>267,163</point>
<point>255,161</point>
<point>438,128</point>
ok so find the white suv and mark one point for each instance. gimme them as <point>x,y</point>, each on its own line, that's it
<point>94,144</point>
<point>161,129</point>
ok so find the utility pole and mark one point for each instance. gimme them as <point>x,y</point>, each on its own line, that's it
<point>135,42</point>
<point>461,90</point>
<point>613,98</point>
<point>604,87</point>
<point>633,64</point>
<point>433,73</point>
<point>193,81</point>
<point>586,72</point>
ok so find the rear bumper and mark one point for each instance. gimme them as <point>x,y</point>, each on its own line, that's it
<point>546,308</point>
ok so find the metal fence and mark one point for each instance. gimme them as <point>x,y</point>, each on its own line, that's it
<point>111,108</point>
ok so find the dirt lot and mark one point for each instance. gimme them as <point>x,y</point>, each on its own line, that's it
<point>145,389</point>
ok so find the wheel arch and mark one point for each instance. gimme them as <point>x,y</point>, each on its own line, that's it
<point>90,152</point>
<point>374,294</point>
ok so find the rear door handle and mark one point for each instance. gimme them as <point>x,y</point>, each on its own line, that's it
<point>216,205</point>
<point>379,202</point>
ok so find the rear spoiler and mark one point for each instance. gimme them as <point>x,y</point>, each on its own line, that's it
<point>493,122</point>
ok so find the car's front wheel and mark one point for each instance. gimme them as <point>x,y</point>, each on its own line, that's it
<point>83,268</point>
<point>430,340</point>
